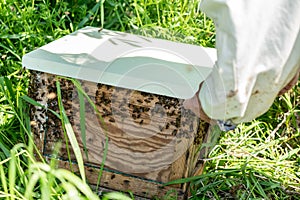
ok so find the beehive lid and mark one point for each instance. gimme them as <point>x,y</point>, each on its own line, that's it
<point>125,60</point>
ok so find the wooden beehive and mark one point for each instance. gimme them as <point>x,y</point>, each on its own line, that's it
<point>152,139</point>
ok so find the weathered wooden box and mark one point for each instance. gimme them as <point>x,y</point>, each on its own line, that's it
<point>138,85</point>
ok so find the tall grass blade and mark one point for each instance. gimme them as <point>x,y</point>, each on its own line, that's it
<point>92,12</point>
<point>9,88</point>
<point>71,191</point>
<point>103,162</point>
<point>11,51</point>
<point>12,170</point>
<point>80,89</point>
<point>25,128</point>
<point>257,185</point>
<point>194,178</point>
<point>116,196</point>
<point>35,103</point>
<point>79,183</point>
<point>31,184</point>
<point>45,187</point>
<point>82,121</point>
<point>3,181</point>
<point>59,100</point>
<point>4,149</point>
<point>71,134</point>
<point>102,13</point>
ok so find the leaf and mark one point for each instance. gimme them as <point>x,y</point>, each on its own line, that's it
<point>258,186</point>
<point>4,149</point>
<point>35,103</point>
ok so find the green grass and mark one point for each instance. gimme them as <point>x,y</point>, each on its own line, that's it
<point>258,160</point>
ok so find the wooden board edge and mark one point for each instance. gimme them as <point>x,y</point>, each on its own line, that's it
<point>121,182</point>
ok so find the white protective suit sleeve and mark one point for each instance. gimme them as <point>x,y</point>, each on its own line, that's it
<point>258,53</point>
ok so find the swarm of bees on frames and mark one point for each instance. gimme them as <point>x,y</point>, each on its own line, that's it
<point>141,107</point>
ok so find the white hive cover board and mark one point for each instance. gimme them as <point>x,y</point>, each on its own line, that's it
<point>125,60</point>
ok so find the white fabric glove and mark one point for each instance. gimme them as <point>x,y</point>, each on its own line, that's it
<point>258,49</point>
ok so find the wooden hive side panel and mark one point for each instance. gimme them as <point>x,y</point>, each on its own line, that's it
<point>150,136</point>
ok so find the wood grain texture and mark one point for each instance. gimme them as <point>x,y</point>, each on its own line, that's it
<point>150,137</point>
